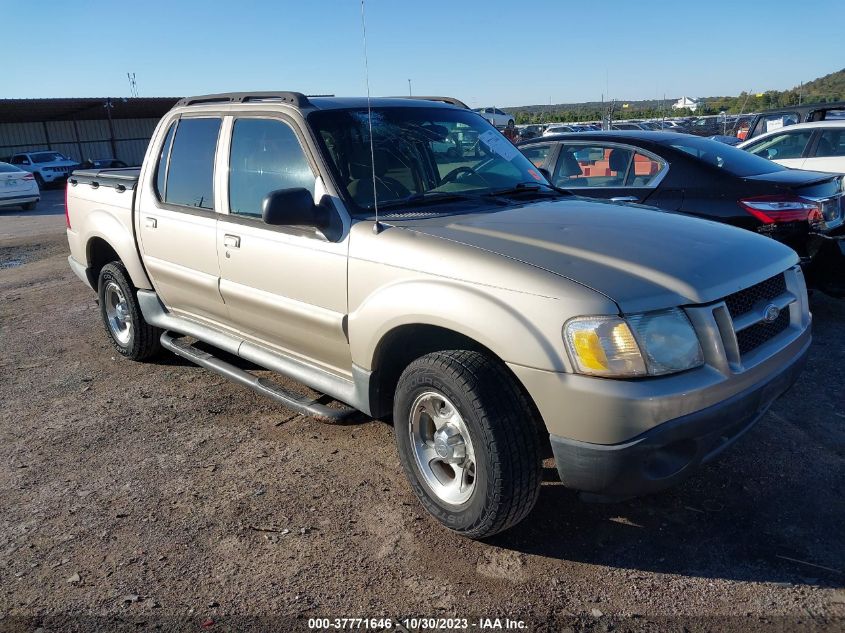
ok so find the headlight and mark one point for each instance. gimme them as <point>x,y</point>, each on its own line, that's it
<point>668,341</point>
<point>653,344</point>
<point>603,346</point>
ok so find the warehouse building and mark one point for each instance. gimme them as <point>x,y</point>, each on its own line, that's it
<point>81,129</point>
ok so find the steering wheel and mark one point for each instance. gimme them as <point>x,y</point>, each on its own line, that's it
<point>457,171</point>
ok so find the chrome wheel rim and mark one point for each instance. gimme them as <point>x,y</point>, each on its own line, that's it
<point>117,313</point>
<point>442,448</point>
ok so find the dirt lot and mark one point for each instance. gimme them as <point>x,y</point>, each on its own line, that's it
<point>160,497</point>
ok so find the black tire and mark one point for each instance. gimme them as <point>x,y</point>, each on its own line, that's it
<point>29,206</point>
<point>40,181</point>
<point>143,339</point>
<point>499,420</point>
<point>511,122</point>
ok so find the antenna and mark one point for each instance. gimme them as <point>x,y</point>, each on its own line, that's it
<point>376,226</point>
<point>133,86</point>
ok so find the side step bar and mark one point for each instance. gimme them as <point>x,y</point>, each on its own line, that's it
<point>298,403</point>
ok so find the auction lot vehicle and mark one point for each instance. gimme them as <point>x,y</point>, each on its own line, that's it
<point>17,188</point>
<point>772,120</point>
<point>818,146</point>
<point>711,180</point>
<point>497,117</point>
<point>494,316</point>
<point>47,167</point>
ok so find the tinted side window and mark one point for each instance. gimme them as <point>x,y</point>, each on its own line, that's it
<point>537,154</point>
<point>265,156</point>
<point>592,166</point>
<point>190,176</point>
<point>782,146</point>
<point>161,169</point>
<point>644,170</point>
<point>831,143</point>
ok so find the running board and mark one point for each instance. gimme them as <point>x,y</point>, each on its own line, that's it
<point>298,403</point>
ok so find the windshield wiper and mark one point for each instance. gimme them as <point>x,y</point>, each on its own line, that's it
<point>429,197</point>
<point>528,187</point>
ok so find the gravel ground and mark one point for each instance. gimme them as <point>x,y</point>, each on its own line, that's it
<point>161,497</point>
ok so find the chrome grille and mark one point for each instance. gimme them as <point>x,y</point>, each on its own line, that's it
<point>742,302</point>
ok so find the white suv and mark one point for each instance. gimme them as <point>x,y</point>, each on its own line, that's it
<point>47,166</point>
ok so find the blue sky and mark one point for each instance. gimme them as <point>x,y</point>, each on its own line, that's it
<point>485,52</point>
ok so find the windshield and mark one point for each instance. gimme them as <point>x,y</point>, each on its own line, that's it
<point>418,152</point>
<point>47,157</point>
<point>725,157</point>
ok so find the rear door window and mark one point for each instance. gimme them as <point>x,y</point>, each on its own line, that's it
<point>190,174</point>
<point>782,146</point>
<point>592,166</point>
<point>831,143</point>
<point>644,170</point>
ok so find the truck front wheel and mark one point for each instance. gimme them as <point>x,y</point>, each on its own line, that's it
<point>130,334</point>
<point>467,441</point>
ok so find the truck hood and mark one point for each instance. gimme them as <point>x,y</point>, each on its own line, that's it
<point>641,258</point>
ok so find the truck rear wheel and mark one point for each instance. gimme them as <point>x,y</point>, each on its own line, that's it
<point>125,326</point>
<point>467,442</point>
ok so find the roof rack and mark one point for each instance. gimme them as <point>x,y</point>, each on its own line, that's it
<point>295,98</point>
<point>450,100</point>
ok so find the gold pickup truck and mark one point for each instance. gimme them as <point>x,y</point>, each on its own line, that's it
<point>497,319</point>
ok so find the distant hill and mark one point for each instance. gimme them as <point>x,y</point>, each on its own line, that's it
<point>828,88</point>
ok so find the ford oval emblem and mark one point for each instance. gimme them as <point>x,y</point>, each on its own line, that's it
<point>772,313</point>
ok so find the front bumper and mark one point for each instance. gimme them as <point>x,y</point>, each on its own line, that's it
<point>668,453</point>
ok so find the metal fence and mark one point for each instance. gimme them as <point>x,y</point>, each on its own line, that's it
<point>124,139</point>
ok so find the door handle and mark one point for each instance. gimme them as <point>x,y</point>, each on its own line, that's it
<point>625,199</point>
<point>150,223</point>
<point>231,241</point>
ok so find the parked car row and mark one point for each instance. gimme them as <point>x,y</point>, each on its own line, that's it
<point>707,179</point>
<point>51,167</point>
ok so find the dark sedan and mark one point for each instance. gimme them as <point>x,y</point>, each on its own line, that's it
<point>708,179</point>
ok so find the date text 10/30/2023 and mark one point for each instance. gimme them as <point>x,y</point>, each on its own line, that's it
<point>413,624</point>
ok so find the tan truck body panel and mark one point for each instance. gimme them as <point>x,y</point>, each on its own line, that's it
<point>320,308</point>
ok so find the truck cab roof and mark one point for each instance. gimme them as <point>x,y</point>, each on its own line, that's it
<point>316,102</point>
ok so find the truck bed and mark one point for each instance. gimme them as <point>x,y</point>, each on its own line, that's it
<point>100,202</point>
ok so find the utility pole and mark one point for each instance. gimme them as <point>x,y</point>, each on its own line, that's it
<point>108,105</point>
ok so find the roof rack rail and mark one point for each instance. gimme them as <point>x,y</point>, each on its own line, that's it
<point>450,100</point>
<point>296,98</point>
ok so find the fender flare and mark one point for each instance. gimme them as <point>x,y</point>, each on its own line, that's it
<point>103,225</point>
<point>478,312</point>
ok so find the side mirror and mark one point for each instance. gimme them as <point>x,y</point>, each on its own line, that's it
<point>292,207</point>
